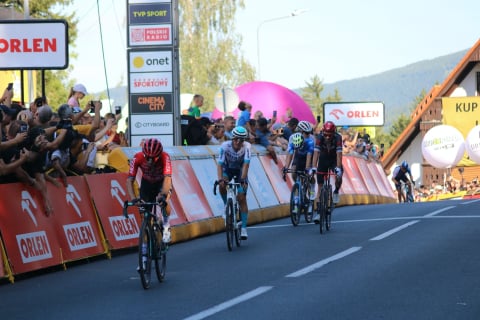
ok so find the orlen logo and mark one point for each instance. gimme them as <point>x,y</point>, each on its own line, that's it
<point>79,235</point>
<point>336,113</point>
<point>123,228</point>
<point>33,246</point>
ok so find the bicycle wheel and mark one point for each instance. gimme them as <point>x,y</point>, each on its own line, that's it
<point>295,194</point>
<point>229,227</point>
<point>144,254</point>
<point>330,206</point>
<point>308,204</point>
<point>238,227</point>
<point>322,207</point>
<point>160,253</point>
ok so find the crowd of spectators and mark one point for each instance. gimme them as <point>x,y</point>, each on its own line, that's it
<point>40,145</point>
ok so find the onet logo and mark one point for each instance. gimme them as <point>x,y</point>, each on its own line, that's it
<point>336,113</point>
<point>72,196</point>
<point>27,200</point>
<point>115,190</point>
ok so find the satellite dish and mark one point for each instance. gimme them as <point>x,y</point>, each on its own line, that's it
<point>226,100</point>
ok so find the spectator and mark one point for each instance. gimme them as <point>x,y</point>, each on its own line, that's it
<point>229,124</point>
<point>361,148</point>
<point>244,116</point>
<point>290,128</point>
<point>77,93</point>
<point>196,104</point>
<point>264,137</point>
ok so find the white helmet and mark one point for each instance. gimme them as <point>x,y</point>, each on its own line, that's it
<point>304,126</point>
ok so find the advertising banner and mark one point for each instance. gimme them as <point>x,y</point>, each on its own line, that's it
<point>354,113</point>
<point>30,237</point>
<point>381,179</point>
<point>78,230</point>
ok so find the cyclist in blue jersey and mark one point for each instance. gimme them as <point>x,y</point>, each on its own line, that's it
<point>234,161</point>
<point>400,174</point>
<point>300,149</point>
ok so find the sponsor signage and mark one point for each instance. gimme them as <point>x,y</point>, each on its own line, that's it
<point>166,139</point>
<point>151,82</point>
<point>151,123</point>
<point>150,61</point>
<point>33,44</point>
<point>150,35</point>
<point>355,113</point>
<point>148,103</point>
<point>153,13</point>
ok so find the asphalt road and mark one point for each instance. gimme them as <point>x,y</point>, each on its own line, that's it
<point>396,261</point>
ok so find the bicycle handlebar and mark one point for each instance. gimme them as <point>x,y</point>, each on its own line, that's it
<point>298,172</point>
<point>139,203</point>
<point>230,184</point>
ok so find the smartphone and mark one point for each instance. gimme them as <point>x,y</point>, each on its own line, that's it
<point>318,119</point>
<point>118,109</point>
<point>274,113</point>
<point>23,128</point>
<point>92,107</point>
<point>10,86</point>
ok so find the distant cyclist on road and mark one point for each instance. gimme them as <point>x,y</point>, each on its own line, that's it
<point>301,146</point>
<point>234,161</point>
<point>328,154</point>
<point>400,174</point>
<point>156,183</point>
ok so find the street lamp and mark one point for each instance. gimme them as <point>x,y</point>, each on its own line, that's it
<point>292,14</point>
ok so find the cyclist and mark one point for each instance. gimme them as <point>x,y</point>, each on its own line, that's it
<point>328,154</point>
<point>300,149</point>
<point>156,181</point>
<point>234,161</point>
<point>400,174</point>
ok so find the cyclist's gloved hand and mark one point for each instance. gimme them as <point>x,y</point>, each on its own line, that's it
<point>312,171</point>
<point>243,182</point>
<point>162,198</point>
<point>338,171</point>
<point>284,170</point>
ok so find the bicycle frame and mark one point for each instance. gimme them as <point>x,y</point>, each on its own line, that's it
<point>407,192</point>
<point>304,205</point>
<point>325,205</point>
<point>232,212</point>
<point>151,246</point>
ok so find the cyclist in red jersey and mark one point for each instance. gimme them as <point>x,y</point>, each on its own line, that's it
<point>156,181</point>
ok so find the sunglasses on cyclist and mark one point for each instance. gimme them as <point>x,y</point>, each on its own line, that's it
<point>328,135</point>
<point>238,140</point>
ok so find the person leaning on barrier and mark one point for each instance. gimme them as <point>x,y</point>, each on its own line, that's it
<point>328,154</point>
<point>234,161</point>
<point>156,181</point>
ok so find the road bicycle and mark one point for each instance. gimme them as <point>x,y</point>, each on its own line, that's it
<point>325,205</point>
<point>233,223</point>
<point>151,248</point>
<point>300,202</point>
<point>407,192</point>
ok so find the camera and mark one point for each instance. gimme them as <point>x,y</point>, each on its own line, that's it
<point>92,105</point>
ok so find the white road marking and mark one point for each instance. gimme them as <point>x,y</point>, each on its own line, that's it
<point>438,211</point>
<point>390,232</point>
<point>229,303</point>
<point>323,262</point>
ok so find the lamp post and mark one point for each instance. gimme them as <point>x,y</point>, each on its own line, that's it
<point>292,14</point>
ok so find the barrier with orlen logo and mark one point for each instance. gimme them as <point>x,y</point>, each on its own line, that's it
<point>77,227</point>
<point>30,237</point>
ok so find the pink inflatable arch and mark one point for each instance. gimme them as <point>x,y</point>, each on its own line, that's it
<point>267,97</point>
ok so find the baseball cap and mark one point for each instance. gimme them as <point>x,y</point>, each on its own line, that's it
<point>8,111</point>
<point>80,88</point>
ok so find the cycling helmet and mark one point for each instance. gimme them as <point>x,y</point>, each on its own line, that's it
<point>240,132</point>
<point>405,164</point>
<point>152,148</point>
<point>297,140</point>
<point>304,126</point>
<point>329,127</point>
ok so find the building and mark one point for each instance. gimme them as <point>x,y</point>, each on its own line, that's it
<point>463,81</point>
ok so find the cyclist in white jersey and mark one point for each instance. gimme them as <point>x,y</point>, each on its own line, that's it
<point>234,161</point>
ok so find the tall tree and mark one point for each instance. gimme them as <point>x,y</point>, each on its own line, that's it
<point>312,94</point>
<point>210,50</point>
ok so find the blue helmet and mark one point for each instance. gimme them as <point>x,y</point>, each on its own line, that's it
<point>405,164</point>
<point>240,132</point>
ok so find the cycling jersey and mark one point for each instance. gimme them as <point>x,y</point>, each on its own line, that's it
<point>231,159</point>
<point>331,147</point>
<point>300,154</point>
<point>401,175</point>
<point>154,172</point>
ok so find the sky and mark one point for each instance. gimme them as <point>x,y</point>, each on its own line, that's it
<point>334,40</point>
